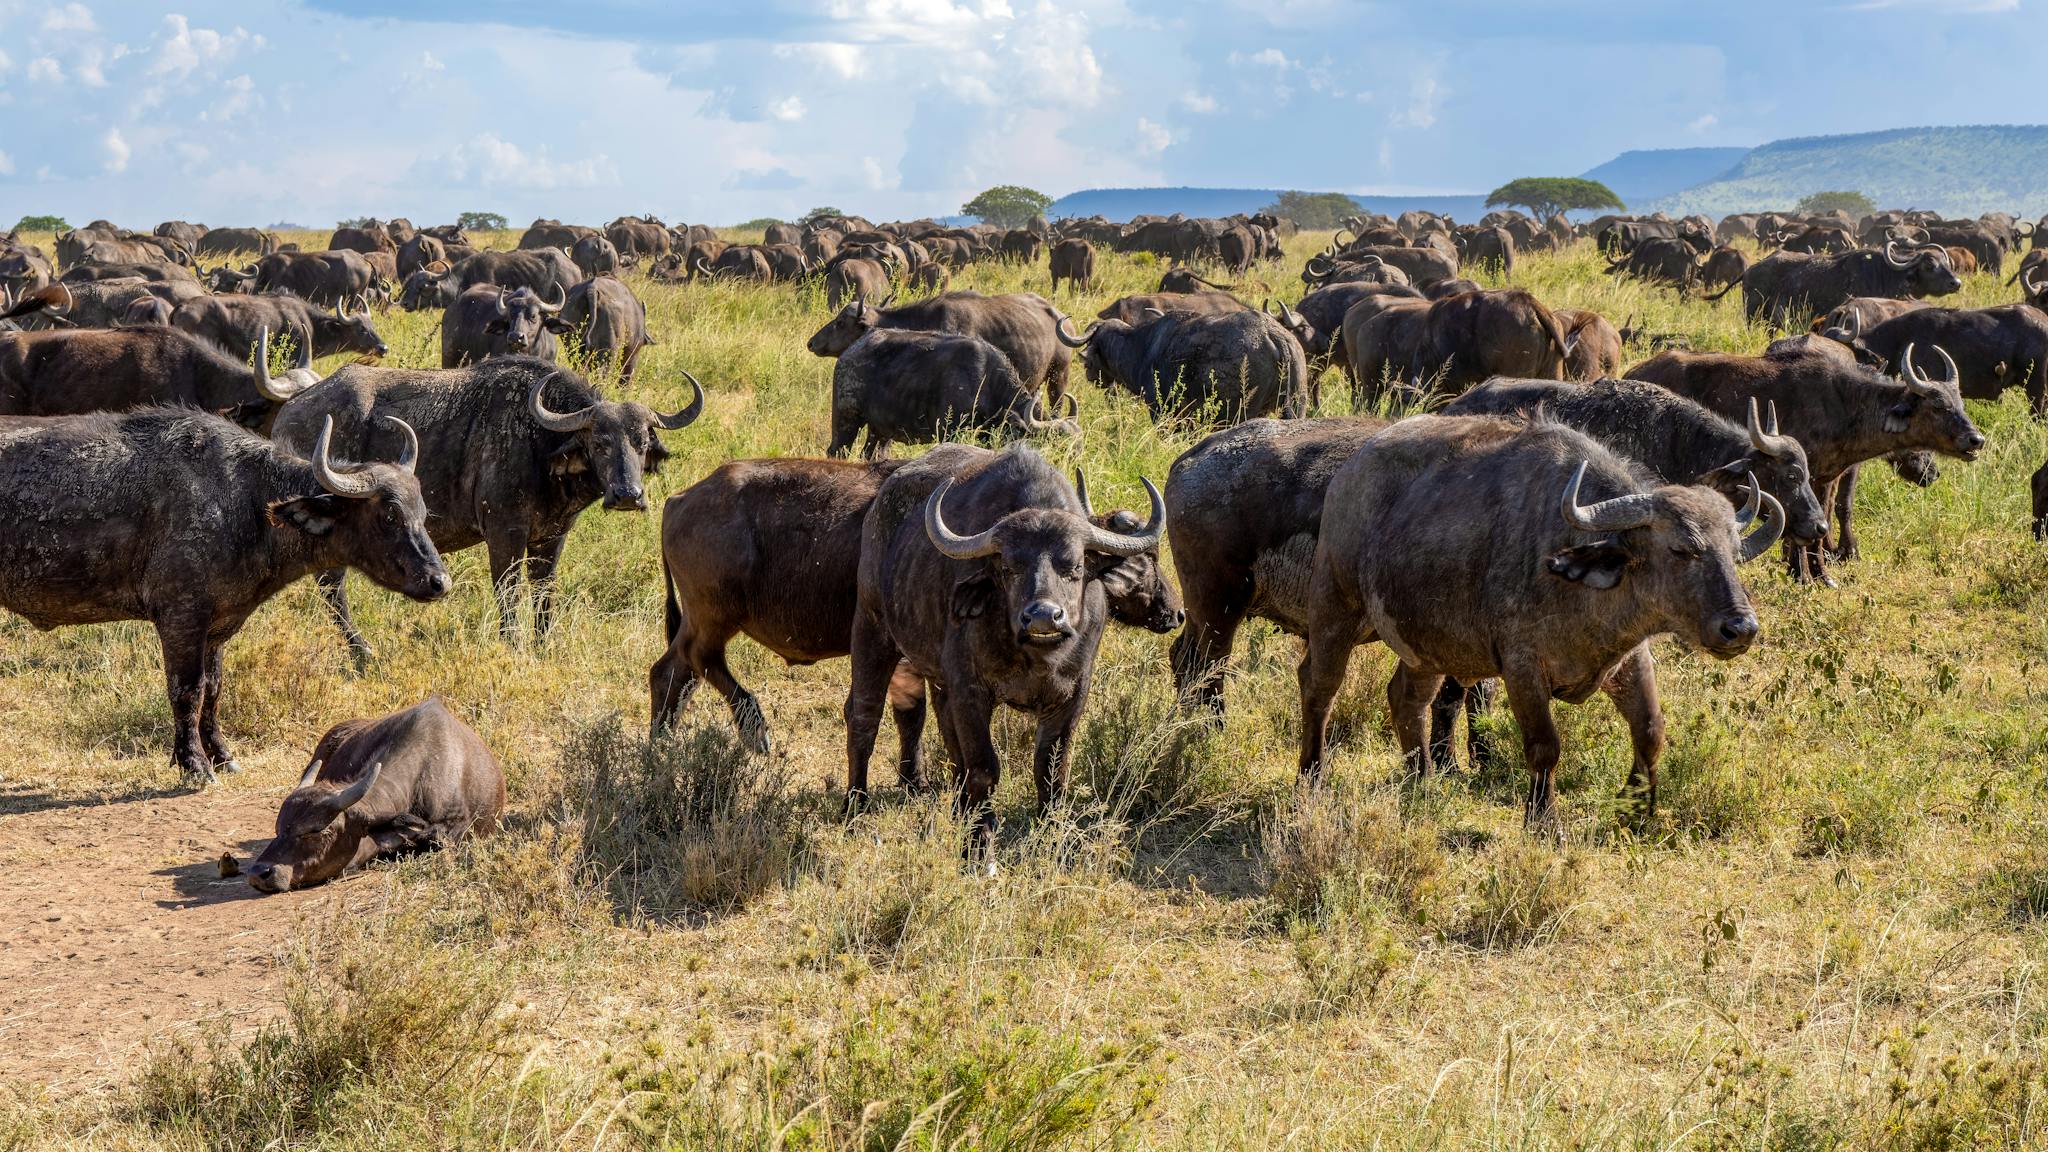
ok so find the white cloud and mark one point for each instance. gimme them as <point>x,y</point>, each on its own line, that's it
<point>787,109</point>
<point>6,62</point>
<point>185,49</point>
<point>1421,110</point>
<point>1702,124</point>
<point>1153,138</point>
<point>116,150</point>
<point>1264,58</point>
<point>45,70</point>
<point>878,179</point>
<point>6,164</point>
<point>68,18</point>
<point>1198,102</point>
<point>431,63</point>
<point>491,161</point>
<point>239,99</point>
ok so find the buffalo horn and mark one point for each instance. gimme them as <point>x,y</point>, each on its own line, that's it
<point>409,454</point>
<point>1757,543</point>
<point>556,421</point>
<point>312,773</point>
<point>1767,442</point>
<point>1081,491</point>
<point>353,795</point>
<point>1892,257</point>
<point>340,483</point>
<point>1616,515</point>
<point>1919,382</point>
<point>265,386</point>
<point>1070,341</point>
<point>1130,544</point>
<point>689,412</point>
<point>957,547</point>
<point>561,298</point>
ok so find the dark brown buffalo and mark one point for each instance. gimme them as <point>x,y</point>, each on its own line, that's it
<point>113,370</point>
<point>1786,289</point>
<point>487,321</point>
<point>610,324</point>
<point>771,548</point>
<point>1324,309</point>
<point>1488,248</point>
<point>237,325</point>
<point>412,781</point>
<point>1073,261</point>
<point>103,270</point>
<point>1477,335</point>
<point>96,304</point>
<point>1660,260</point>
<point>1841,413</point>
<point>236,242</point>
<point>326,278</point>
<point>182,519</point>
<point>516,449</point>
<point>917,387</point>
<point>1722,267</point>
<point>1135,309</point>
<point>545,233</point>
<point>638,238</point>
<point>1418,266</point>
<point>1993,348</point>
<point>2032,276</point>
<point>423,249</point>
<point>1595,344</point>
<point>596,256</point>
<point>184,234</point>
<point>1556,597</point>
<point>1022,325</point>
<point>1226,367</point>
<point>855,278</point>
<point>1379,341</point>
<point>983,571</point>
<point>547,271</point>
<point>374,239</point>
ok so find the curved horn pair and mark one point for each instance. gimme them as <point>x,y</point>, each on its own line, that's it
<point>1757,543</point>
<point>561,299</point>
<point>1919,382</point>
<point>1616,515</point>
<point>351,484</point>
<point>1099,539</point>
<point>1766,439</point>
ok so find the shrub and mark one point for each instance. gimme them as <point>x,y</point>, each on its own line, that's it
<point>1523,893</point>
<point>1342,850</point>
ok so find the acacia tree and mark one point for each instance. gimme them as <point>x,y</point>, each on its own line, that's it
<point>1007,206</point>
<point>1313,210</point>
<point>481,222</point>
<point>1546,196</point>
<point>41,224</point>
<point>1856,204</point>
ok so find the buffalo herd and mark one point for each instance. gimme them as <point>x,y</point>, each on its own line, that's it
<point>1504,504</point>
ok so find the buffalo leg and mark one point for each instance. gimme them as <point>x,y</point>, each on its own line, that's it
<point>1529,697</point>
<point>1322,677</point>
<point>874,658</point>
<point>184,644</point>
<point>1055,745</point>
<point>1845,508</point>
<point>541,561</point>
<point>980,769</point>
<point>1409,696</point>
<point>2040,491</point>
<point>209,707</point>
<point>907,706</point>
<point>508,559</point>
<point>709,660</point>
<point>333,583</point>
<point>1633,688</point>
<point>670,684</point>
<point>1202,651</point>
<point>1443,721</point>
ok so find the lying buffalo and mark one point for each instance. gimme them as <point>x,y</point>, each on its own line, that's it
<point>516,449</point>
<point>1557,589</point>
<point>982,571</point>
<point>1226,367</point>
<point>771,549</point>
<point>917,387</point>
<point>182,519</point>
<point>412,781</point>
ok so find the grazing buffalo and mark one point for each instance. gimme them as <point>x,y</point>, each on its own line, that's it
<point>237,325</point>
<point>1073,261</point>
<point>1595,344</point>
<point>1022,325</point>
<point>1558,597</point>
<point>1785,283</point>
<point>236,242</point>
<point>771,548</point>
<point>610,322</point>
<point>983,571</point>
<point>99,304</point>
<point>1660,260</point>
<point>1722,267</point>
<point>374,239</point>
<point>855,278</point>
<point>1473,336</point>
<point>1841,413</point>
<point>516,450</point>
<point>637,237</point>
<point>1324,309</point>
<point>917,387</point>
<point>182,519</point>
<point>1993,349</point>
<point>412,781</point>
<point>1418,266</point>
<point>1228,366</point>
<point>98,370</point>
<point>487,321</point>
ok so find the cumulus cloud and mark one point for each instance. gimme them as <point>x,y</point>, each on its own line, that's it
<point>787,109</point>
<point>45,70</point>
<point>115,151</point>
<point>182,49</point>
<point>68,18</point>
<point>491,161</point>
<point>1198,102</point>
<point>1702,123</point>
<point>6,164</point>
<point>1153,138</point>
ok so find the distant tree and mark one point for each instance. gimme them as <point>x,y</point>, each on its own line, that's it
<point>355,222</point>
<point>1856,204</point>
<point>820,214</point>
<point>482,222</point>
<point>42,224</point>
<point>1546,196</point>
<point>1007,206</point>
<point>757,224</point>
<point>1313,210</point>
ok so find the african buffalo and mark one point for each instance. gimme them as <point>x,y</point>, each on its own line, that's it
<point>610,323</point>
<point>916,387</point>
<point>1784,282</point>
<point>1229,366</point>
<point>113,370</point>
<point>236,325</point>
<point>487,321</point>
<point>1073,261</point>
<point>1022,325</point>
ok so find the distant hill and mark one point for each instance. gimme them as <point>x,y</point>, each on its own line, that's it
<point>1124,203</point>
<point>1644,175</point>
<point>1955,171</point>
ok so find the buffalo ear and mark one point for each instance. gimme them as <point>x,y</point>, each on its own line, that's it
<point>569,459</point>
<point>559,327</point>
<point>974,596</point>
<point>1119,575</point>
<point>313,515</point>
<point>1600,564</point>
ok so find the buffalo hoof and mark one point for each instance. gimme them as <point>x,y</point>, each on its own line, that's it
<point>199,777</point>
<point>856,803</point>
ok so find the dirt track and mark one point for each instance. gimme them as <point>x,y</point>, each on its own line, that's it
<point>116,926</point>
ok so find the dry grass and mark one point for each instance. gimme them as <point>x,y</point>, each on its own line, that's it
<point>1832,940</point>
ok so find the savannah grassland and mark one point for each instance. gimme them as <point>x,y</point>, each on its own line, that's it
<point>1832,937</point>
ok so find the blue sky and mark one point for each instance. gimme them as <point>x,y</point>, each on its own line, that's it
<point>257,111</point>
